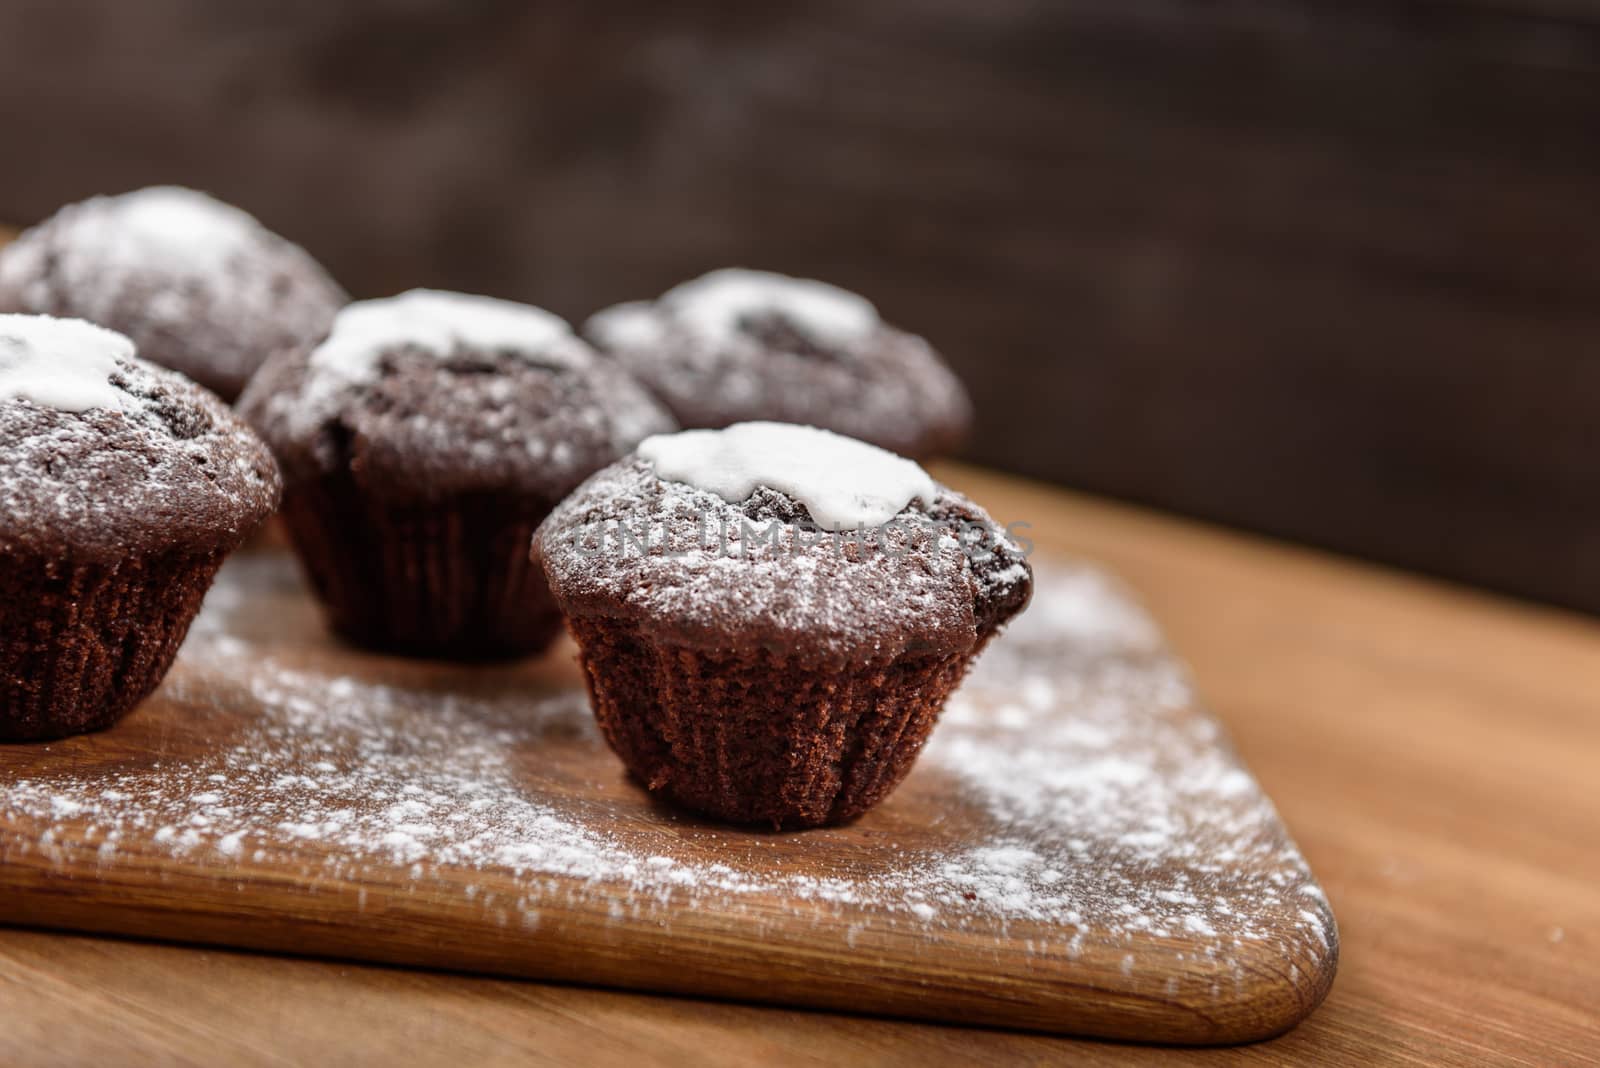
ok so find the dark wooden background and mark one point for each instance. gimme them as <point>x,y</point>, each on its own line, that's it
<point>1326,270</point>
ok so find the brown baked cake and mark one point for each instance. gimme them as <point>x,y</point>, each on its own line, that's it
<point>422,442</point>
<point>124,487</point>
<point>201,287</point>
<point>771,617</point>
<point>741,345</point>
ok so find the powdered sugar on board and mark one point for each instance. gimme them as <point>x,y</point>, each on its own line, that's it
<point>1079,802</point>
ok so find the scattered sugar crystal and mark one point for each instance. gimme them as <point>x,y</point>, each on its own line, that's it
<point>1107,818</point>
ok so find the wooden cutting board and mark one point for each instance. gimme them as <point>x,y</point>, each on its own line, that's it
<point>1078,850</point>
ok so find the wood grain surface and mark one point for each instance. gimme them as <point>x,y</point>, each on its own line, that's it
<point>284,792</point>
<point>1436,763</point>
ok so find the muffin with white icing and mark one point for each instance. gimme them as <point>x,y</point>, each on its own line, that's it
<point>770,617</point>
<point>200,286</point>
<point>740,345</point>
<point>124,487</point>
<point>422,442</point>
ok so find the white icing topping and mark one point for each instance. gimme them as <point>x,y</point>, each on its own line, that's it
<point>845,484</point>
<point>715,304</point>
<point>60,363</point>
<point>440,323</point>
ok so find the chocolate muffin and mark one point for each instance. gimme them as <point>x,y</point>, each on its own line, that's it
<point>748,345</point>
<point>770,617</point>
<point>124,487</point>
<point>422,442</point>
<point>200,286</point>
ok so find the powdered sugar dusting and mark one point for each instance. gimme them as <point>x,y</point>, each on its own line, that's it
<point>737,346</point>
<point>1086,805</point>
<point>165,227</point>
<point>139,455</point>
<point>200,285</point>
<point>688,561</point>
<point>486,395</point>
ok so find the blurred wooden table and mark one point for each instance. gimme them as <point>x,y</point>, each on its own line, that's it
<point>1435,751</point>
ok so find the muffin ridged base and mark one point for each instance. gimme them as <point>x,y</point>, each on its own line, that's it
<point>449,580</point>
<point>81,646</point>
<point>758,737</point>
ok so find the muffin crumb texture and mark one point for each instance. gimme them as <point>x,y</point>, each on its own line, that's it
<point>431,394</point>
<point>439,324</point>
<point>106,456</point>
<point>750,665</point>
<point>702,569</point>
